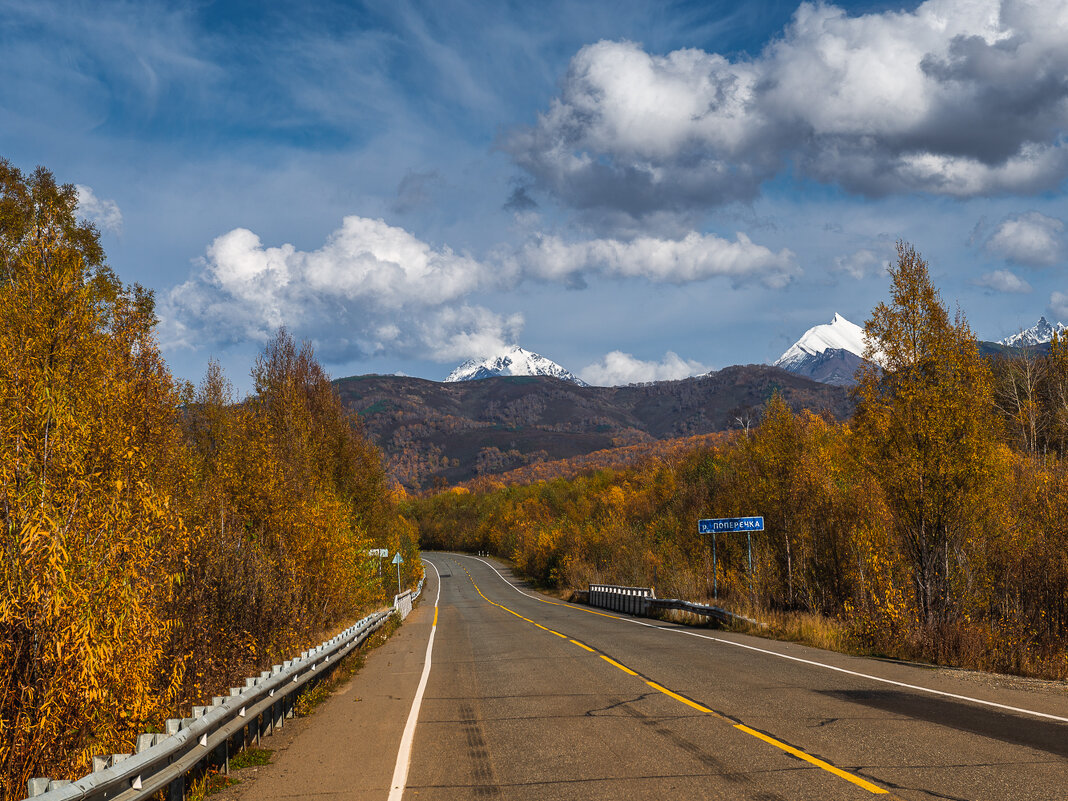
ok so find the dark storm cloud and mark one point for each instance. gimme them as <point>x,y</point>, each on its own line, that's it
<point>519,201</point>
<point>951,99</point>
<point>416,190</point>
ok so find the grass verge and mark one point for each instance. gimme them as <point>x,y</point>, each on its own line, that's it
<point>311,699</point>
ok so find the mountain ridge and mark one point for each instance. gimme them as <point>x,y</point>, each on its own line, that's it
<point>1041,333</point>
<point>437,432</point>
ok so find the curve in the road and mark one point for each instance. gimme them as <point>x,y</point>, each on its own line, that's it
<point>811,662</point>
<point>767,738</point>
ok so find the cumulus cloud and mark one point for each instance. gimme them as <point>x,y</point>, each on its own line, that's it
<point>105,213</point>
<point>694,257</point>
<point>958,99</point>
<point>1032,239</point>
<point>642,132</point>
<point>1003,281</point>
<point>622,368</point>
<point>373,288</point>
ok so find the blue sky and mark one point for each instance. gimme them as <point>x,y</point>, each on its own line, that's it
<point>635,190</point>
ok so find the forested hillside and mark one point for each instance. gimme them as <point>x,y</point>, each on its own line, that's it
<point>435,434</point>
<point>159,541</point>
<point>933,524</point>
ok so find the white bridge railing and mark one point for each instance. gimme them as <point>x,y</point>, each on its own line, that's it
<point>162,761</point>
<point>631,600</point>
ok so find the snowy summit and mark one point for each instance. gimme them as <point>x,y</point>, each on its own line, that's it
<point>839,334</point>
<point>512,361</point>
<point>830,353</point>
<point>1038,334</point>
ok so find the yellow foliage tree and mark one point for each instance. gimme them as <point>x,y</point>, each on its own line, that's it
<point>926,430</point>
<point>87,420</point>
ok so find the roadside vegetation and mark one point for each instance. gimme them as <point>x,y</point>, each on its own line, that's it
<point>160,541</point>
<point>933,525</point>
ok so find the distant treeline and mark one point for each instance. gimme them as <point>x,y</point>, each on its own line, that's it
<point>160,541</point>
<point>933,524</point>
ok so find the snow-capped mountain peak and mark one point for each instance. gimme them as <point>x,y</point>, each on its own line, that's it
<point>512,361</point>
<point>1038,334</point>
<point>839,334</point>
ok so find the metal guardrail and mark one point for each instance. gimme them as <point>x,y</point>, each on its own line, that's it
<point>163,760</point>
<point>643,601</point>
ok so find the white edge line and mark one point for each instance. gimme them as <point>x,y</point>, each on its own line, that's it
<point>404,754</point>
<point>823,665</point>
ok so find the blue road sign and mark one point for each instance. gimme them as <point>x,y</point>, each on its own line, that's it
<point>727,525</point>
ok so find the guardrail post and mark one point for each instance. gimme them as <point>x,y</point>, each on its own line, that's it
<point>176,789</point>
<point>38,786</point>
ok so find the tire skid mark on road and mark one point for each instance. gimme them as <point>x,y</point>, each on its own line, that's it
<point>767,738</point>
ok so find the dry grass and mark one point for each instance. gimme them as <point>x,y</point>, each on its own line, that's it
<point>805,628</point>
<point>345,670</point>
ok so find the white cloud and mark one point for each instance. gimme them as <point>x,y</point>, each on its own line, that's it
<point>642,132</point>
<point>1003,281</point>
<point>105,213</point>
<point>695,257</point>
<point>863,263</point>
<point>1058,305</point>
<point>373,288</point>
<point>1032,239</point>
<point>958,99</point>
<point>622,368</point>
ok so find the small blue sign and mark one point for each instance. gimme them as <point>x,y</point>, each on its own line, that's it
<point>729,525</point>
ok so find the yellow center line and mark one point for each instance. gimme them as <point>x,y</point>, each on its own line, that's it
<point>611,661</point>
<point>683,699</point>
<point>819,763</point>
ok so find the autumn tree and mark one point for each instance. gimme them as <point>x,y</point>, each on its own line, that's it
<point>926,429</point>
<point>148,527</point>
<point>89,547</point>
<point>1020,386</point>
<point>1055,396</point>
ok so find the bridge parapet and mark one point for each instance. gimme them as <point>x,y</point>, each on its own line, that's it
<point>630,600</point>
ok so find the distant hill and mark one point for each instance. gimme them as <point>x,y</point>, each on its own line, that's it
<point>434,433</point>
<point>663,450</point>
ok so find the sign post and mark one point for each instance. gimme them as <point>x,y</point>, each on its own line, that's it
<point>730,525</point>
<point>397,561</point>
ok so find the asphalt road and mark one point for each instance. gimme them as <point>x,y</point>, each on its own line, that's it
<point>530,698</point>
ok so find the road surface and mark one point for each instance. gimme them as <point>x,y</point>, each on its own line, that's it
<point>527,697</point>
